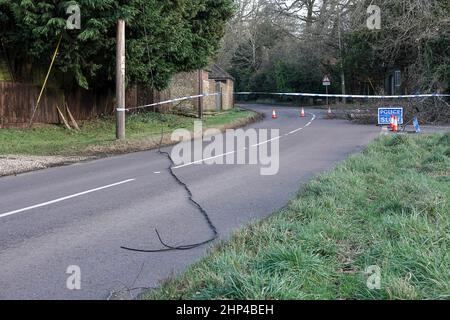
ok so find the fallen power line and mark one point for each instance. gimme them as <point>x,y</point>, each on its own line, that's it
<point>168,247</point>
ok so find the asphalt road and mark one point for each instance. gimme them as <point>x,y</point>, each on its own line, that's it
<point>82,214</point>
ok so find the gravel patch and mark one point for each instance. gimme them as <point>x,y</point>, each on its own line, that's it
<point>14,164</point>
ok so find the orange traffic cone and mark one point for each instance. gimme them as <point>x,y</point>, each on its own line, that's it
<point>274,114</point>
<point>302,113</point>
<point>391,123</point>
<point>395,127</point>
<point>329,111</point>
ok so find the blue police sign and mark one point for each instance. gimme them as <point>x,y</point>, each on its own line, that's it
<point>384,115</point>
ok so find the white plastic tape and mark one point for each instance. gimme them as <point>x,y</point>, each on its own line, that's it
<point>295,94</point>
<point>173,100</point>
<point>301,94</point>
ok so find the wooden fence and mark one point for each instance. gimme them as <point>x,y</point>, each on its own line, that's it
<point>17,101</point>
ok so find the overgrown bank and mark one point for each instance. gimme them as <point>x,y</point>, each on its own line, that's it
<point>387,207</point>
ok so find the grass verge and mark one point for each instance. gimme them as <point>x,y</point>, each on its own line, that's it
<point>388,207</point>
<point>142,130</point>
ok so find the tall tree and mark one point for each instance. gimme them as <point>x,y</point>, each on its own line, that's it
<point>163,37</point>
<point>332,37</point>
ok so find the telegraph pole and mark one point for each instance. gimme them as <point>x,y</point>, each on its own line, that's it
<point>120,80</point>
<point>200,91</point>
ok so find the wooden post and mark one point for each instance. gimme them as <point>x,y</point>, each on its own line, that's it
<point>72,119</point>
<point>218,89</point>
<point>120,80</point>
<point>61,116</point>
<point>200,91</point>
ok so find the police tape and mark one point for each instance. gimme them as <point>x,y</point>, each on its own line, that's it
<point>323,95</point>
<point>169,101</point>
<point>295,94</point>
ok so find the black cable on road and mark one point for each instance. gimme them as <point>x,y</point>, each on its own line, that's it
<point>191,199</point>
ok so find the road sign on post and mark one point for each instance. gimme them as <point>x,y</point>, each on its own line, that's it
<point>326,82</point>
<point>385,113</point>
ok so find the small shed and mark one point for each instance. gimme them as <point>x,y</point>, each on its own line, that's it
<point>223,83</point>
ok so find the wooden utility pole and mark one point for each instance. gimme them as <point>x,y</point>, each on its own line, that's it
<point>200,91</point>
<point>120,80</point>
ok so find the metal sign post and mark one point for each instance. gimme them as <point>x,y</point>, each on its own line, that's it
<point>326,82</point>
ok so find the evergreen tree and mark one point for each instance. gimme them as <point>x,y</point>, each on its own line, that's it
<point>163,37</point>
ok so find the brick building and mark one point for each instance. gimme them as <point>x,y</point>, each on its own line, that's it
<point>213,80</point>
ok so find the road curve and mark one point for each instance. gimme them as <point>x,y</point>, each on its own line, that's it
<point>82,214</point>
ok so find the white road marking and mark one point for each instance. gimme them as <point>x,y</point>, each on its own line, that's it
<point>306,125</point>
<point>294,131</point>
<point>156,172</point>
<point>201,160</point>
<point>63,198</point>
<point>254,145</point>
<point>264,142</point>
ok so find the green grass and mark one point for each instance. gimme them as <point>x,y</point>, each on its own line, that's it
<point>388,206</point>
<point>56,140</point>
